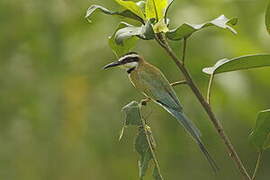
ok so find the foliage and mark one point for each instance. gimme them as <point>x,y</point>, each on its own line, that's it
<point>155,18</point>
<point>133,7</point>
<point>155,25</point>
<point>186,30</point>
<point>267,18</point>
<point>122,47</point>
<point>125,13</point>
<point>260,135</point>
<point>144,141</point>
<point>239,63</point>
<point>60,111</point>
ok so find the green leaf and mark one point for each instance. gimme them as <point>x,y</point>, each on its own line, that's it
<point>125,46</point>
<point>261,132</point>
<point>131,15</point>
<point>132,112</point>
<point>147,31</point>
<point>141,4</point>
<point>167,11</point>
<point>126,33</point>
<point>156,174</point>
<point>155,9</point>
<point>239,63</point>
<point>144,142</point>
<point>186,30</point>
<point>133,7</point>
<point>126,13</point>
<point>142,147</point>
<point>132,116</point>
<point>267,18</point>
<point>144,32</point>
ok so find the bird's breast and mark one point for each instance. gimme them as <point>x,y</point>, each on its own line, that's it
<point>138,81</point>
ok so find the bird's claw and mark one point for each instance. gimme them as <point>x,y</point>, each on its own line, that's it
<point>145,101</point>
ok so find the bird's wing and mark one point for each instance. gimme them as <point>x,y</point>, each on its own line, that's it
<point>157,87</point>
<point>154,84</point>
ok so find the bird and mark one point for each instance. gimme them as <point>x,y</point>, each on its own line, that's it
<point>153,84</point>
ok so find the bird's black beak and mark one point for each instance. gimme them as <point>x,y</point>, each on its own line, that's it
<point>113,64</point>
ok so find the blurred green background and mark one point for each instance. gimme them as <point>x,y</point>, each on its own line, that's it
<point>60,112</point>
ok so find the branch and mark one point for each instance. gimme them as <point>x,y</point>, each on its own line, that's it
<point>178,83</point>
<point>161,39</point>
<point>257,165</point>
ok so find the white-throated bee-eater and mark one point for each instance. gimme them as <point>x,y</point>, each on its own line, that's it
<point>153,84</point>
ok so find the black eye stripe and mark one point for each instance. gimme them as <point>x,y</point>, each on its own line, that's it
<point>130,59</point>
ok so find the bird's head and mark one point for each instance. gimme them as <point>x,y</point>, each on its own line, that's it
<point>129,61</point>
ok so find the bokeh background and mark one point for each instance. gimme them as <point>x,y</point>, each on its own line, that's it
<point>61,113</point>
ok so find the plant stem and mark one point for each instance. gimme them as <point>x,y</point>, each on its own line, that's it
<point>184,51</point>
<point>161,39</point>
<point>150,145</point>
<point>210,88</point>
<point>179,83</point>
<point>257,165</point>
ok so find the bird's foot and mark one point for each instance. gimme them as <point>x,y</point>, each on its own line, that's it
<point>145,101</point>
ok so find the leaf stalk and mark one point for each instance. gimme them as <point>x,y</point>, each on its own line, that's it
<point>258,162</point>
<point>148,138</point>
<point>209,89</point>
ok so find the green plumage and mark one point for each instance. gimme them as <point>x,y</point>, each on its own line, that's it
<point>152,83</point>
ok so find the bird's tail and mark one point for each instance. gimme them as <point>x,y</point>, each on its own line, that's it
<point>195,133</point>
<point>209,158</point>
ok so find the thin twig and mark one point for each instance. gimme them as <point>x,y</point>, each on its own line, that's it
<point>257,165</point>
<point>210,88</point>
<point>148,138</point>
<point>218,126</point>
<point>179,83</point>
<point>184,51</point>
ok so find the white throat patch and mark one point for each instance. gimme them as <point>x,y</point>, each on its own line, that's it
<point>131,65</point>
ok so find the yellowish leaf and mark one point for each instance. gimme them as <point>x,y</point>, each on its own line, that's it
<point>133,7</point>
<point>155,9</point>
